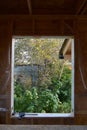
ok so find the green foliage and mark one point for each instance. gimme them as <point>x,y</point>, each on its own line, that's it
<point>54,99</point>
<point>51,93</point>
<point>35,101</point>
<point>65,89</point>
<point>48,102</point>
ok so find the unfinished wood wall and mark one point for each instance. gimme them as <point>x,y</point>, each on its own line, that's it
<point>45,26</point>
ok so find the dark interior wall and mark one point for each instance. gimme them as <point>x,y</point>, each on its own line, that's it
<point>81,71</point>
<point>5,68</point>
<point>46,26</point>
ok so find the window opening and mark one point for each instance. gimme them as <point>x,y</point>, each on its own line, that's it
<point>42,77</point>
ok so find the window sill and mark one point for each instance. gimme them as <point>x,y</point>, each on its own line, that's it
<point>42,115</point>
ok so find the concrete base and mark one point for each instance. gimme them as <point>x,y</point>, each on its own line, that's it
<point>42,127</point>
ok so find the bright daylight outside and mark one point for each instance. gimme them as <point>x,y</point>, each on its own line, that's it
<point>42,75</point>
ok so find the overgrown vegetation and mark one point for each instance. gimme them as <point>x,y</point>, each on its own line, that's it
<point>51,91</point>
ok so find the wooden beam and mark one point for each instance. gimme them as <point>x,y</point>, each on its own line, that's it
<point>39,17</point>
<point>29,6</point>
<point>5,18</point>
<point>81,6</point>
<point>84,10</point>
<point>65,47</point>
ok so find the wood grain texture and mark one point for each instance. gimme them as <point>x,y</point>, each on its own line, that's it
<point>15,25</point>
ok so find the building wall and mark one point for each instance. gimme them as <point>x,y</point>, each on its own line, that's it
<point>44,26</point>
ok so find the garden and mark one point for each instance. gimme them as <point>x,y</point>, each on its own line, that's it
<point>46,88</point>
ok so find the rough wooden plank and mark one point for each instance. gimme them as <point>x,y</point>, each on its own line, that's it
<point>29,6</point>
<point>80,6</point>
